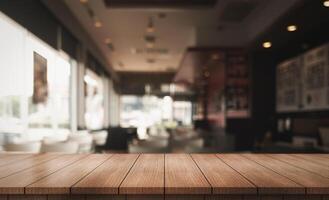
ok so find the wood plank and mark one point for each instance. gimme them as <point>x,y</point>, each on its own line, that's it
<point>304,164</point>
<point>182,176</point>
<point>27,197</point>
<point>20,165</point>
<point>66,197</point>
<point>316,158</point>
<point>271,197</point>
<point>185,197</point>
<point>7,159</point>
<point>145,197</point>
<point>313,183</point>
<point>61,181</point>
<point>105,197</point>
<point>222,178</point>
<point>3,197</point>
<point>223,197</point>
<point>107,178</point>
<point>146,176</point>
<point>251,197</point>
<point>10,185</point>
<point>266,180</point>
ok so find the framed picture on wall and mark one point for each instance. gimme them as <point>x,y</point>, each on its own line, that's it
<point>288,85</point>
<point>316,79</point>
<point>40,84</point>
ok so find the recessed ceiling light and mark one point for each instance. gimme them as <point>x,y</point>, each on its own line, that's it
<point>98,24</point>
<point>326,3</point>
<point>292,28</point>
<point>267,45</point>
<point>150,29</point>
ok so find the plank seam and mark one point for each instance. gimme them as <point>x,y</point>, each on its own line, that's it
<point>53,172</point>
<point>127,173</point>
<point>239,173</point>
<point>315,161</point>
<point>164,176</point>
<point>29,167</point>
<point>319,174</point>
<point>14,161</point>
<point>111,155</point>
<point>275,171</point>
<point>212,192</point>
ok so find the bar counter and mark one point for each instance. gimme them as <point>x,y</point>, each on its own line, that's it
<point>164,176</point>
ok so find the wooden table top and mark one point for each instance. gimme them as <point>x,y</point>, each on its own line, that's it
<point>159,174</point>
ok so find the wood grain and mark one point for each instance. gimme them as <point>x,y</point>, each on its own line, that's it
<point>185,197</point>
<point>145,197</point>
<point>224,197</point>
<point>266,180</point>
<point>146,176</point>
<point>27,197</point>
<point>20,165</point>
<point>10,185</point>
<point>316,158</point>
<point>61,181</point>
<point>313,183</point>
<point>222,178</point>
<point>66,197</point>
<point>6,159</point>
<point>105,197</point>
<point>171,176</point>
<point>182,176</point>
<point>107,178</point>
<point>304,164</point>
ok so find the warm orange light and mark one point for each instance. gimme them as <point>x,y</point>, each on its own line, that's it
<point>292,28</point>
<point>267,45</point>
<point>83,1</point>
<point>150,29</point>
<point>98,24</point>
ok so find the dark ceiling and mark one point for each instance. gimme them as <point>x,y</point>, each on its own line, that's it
<point>311,18</point>
<point>159,3</point>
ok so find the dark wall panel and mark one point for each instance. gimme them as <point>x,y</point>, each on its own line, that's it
<point>34,16</point>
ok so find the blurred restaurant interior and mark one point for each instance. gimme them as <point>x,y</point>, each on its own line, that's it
<point>162,76</point>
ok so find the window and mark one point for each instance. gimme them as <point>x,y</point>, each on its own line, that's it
<point>94,94</point>
<point>34,83</point>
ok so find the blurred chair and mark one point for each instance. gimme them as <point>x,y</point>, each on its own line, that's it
<point>99,137</point>
<point>84,139</point>
<point>65,147</point>
<point>30,147</point>
<point>52,139</point>
<point>324,136</point>
<point>117,140</point>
